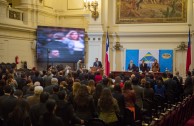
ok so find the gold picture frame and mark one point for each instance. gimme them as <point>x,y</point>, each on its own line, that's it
<point>151,11</point>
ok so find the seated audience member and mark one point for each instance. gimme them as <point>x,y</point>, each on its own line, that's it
<point>49,118</point>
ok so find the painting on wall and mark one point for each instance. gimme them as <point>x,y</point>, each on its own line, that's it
<point>151,11</point>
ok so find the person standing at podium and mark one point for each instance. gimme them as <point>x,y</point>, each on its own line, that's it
<point>97,63</point>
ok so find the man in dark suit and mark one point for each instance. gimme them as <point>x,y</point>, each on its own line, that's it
<point>131,66</point>
<point>7,102</point>
<point>97,63</point>
<point>143,66</point>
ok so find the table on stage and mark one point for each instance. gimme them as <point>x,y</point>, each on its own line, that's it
<point>128,73</point>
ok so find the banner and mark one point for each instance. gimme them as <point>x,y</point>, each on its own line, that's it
<point>164,57</point>
<point>166,60</point>
<point>131,55</point>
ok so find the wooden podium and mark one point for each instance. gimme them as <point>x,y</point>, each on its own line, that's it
<point>95,69</point>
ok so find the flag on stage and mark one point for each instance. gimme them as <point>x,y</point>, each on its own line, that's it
<point>107,62</point>
<point>188,61</point>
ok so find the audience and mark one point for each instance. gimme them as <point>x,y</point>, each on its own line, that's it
<point>30,98</point>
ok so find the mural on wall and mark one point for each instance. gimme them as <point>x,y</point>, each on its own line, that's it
<point>151,11</point>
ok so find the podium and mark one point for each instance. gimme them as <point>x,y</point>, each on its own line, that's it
<point>95,69</point>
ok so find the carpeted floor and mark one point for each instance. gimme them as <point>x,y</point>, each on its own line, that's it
<point>190,122</point>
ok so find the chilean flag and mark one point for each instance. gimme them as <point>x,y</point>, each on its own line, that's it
<point>188,62</point>
<point>107,62</point>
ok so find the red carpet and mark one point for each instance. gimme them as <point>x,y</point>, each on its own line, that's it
<point>190,122</point>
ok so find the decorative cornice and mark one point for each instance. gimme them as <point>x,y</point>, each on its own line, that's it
<point>17,28</point>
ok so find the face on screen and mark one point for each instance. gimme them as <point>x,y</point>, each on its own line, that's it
<point>74,35</point>
<point>54,54</point>
<point>60,44</point>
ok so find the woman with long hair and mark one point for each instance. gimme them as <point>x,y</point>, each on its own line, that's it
<point>108,108</point>
<point>84,103</point>
<point>20,115</point>
<point>49,118</point>
<point>97,93</point>
<point>75,88</point>
<point>91,84</point>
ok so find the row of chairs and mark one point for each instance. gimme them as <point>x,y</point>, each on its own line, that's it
<point>177,115</point>
<point>165,114</point>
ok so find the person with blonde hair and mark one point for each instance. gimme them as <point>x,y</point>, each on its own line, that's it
<point>74,41</point>
<point>91,84</point>
<point>75,88</point>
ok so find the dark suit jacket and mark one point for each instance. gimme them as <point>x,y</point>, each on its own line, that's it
<point>97,65</point>
<point>133,68</point>
<point>7,104</point>
<point>143,68</point>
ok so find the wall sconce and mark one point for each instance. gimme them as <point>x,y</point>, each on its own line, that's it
<point>92,6</point>
<point>118,46</point>
<point>182,46</point>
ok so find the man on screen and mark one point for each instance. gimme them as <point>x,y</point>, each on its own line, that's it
<point>97,63</point>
